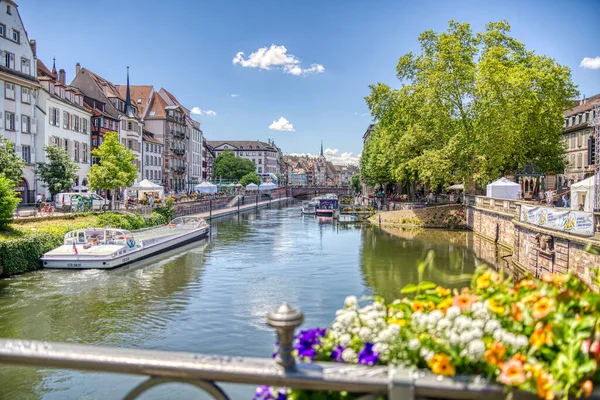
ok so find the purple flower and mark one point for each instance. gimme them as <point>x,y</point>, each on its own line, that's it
<point>269,393</point>
<point>336,354</point>
<point>367,356</point>
<point>307,341</point>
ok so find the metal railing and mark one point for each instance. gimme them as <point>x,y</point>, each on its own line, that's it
<point>204,371</point>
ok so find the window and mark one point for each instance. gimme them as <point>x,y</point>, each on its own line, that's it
<point>129,126</point>
<point>25,124</point>
<point>66,120</point>
<point>15,35</point>
<point>26,154</point>
<point>25,95</point>
<point>9,91</point>
<point>147,146</point>
<point>67,145</point>
<point>9,60</point>
<point>584,116</point>
<point>84,152</point>
<point>2,30</point>
<point>130,144</point>
<point>260,161</point>
<point>94,142</point>
<point>76,151</point>
<point>114,124</point>
<point>76,123</point>
<point>578,140</point>
<point>96,122</point>
<point>8,10</point>
<point>259,170</point>
<point>579,160</point>
<point>147,158</point>
<point>25,66</point>
<point>10,121</point>
<point>84,125</point>
<point>54,116</point>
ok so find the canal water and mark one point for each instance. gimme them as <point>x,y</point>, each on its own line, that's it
<point>212,296</point>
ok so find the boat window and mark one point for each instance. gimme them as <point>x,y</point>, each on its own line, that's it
<point>81,237</point>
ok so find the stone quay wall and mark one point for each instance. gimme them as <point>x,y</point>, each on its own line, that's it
<point>535,250</point>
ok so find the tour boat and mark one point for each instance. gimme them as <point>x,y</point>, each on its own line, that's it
<point>105,248</point>
<point>327,205</point>
<point>309,207</point>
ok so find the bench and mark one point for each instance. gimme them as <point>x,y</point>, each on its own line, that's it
<point>26,213</point>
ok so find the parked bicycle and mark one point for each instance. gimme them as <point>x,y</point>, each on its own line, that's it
<point>47,208</point>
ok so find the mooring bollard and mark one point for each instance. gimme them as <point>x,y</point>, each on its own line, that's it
<point>285,320</point>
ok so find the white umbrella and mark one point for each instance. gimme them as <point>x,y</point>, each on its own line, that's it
<point>206,187</point>
<point>458,186</point>
<point>252,186</point>
<point>267,186</point>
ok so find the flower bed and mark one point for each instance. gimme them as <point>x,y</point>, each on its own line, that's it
<point>541,336</point>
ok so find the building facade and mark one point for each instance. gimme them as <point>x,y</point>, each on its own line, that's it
<point>19,87</point>
<point>195,152</point>
<point>208,161</point>
<point>152,160</point>
<point>67,123</point>
<point>263,155</point>
<point>298,177</point>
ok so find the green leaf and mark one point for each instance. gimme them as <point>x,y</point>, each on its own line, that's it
<point>410,288</point>
<point>426,285</point>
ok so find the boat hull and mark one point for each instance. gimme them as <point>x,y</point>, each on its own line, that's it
<point>324,213</point>
<point>87,262</point>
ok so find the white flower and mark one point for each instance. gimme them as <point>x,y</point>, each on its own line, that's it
<point>397,301</point>
<point>414,344</point>
<point>443,324</point>
<point>436,315</point>
<point>454,338</point>
<point>394,328</point>
<point>351,302</point>
<point>521,342</point>
<point>380,348</point>
<point>365,334</point>
<point>453,312</point>
<point>509,338</point>
<point>465,337</point>
<point>499,334</point>
<point>399,315</point>
<point>345,339</point>
<point>426,354</point>
<point>491,326</point>
<point>476,333</point>
<point>348,355</point>
<point>478,324</point>
<point>462,322</point>
<point>476,349</point>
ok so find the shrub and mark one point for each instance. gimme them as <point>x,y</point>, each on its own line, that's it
<point>8,201</point>
<point>23,254</point>
<point>156,219</point>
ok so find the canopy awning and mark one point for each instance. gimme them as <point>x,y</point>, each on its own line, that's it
<point>458,186</point>
<point>252,186</point>
<point>206,187</point>
<point>267,186</point>
<point>147,185</point>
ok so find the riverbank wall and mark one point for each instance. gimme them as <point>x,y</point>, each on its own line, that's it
<point>534,250</point>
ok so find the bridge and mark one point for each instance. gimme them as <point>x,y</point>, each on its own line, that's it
<point>313,191</point>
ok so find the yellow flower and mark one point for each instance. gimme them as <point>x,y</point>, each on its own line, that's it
<point>495,307</point>
<point>397,321</point>
<point>541,335</point>
<point>440,364</point>
<point>484,281</point>
<point>555,279</point>
<point>495,354</point>
<point>542,307</point>
<point>418,306</point>
<point>445,304</point>
<point>543,385</point>
<point>442,292</point>
<point>526,283</point>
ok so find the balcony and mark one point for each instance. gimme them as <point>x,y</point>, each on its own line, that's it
<point>179,170</point>
<point>177,134</point>
<point>179,151</point>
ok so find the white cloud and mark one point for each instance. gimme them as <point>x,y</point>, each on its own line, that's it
<point>333,155</point>
<point>590,63</point>
<point>276,56</point>
<point>198,111</point>
<point>282,124</point>
<point>235,95</point>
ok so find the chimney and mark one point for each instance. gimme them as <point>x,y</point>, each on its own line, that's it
<point>77,69</point>
<point>61,76</point>
<point>33,45</point>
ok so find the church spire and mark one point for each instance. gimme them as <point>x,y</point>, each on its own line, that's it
<point>321,148</point>
<point>128,96</point>
<point>54,73</point>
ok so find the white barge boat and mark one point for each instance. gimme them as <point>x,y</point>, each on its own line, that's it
<point>104,248</point>
<point>310,207</point>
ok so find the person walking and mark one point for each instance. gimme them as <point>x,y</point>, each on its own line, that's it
<point>565,199</point>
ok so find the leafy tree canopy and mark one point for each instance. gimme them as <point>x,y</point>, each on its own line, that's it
<point>355,183</point>
<point>250,178</point>
<point>228,166</point>
<point>11,165</point>
<point>117,165</point>
<point>471,104</point>
<point>8,201</point>
<point>59,172</point>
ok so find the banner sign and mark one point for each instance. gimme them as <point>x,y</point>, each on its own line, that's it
<point>577,222</point>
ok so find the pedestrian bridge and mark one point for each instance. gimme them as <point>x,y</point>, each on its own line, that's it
<point>313,191</point>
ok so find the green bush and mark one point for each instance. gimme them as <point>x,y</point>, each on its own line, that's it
<point>128,222</point>
<point>156,219</point>
<point>8,201</point>
<point>23,254</point>
<point>167,210</point>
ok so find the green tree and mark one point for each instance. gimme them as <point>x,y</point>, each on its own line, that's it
<point>11,165</point>
<point>278,179</point>
<point>8,201</point>
<point>355,183</point>
<point>250,178</point>
<point>116,166</point>
<point>59,172</point>
<point>228,166</point>
<point>471,105</point>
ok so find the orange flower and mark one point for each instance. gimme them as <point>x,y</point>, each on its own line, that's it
<point>516,312</point>
<point>445,304</point>
<point>512,373</point>
<point>430,305</point>
<point>587,388</point>
<point>484,281</point>
<point>418,306</point>
<point>556,279</point>
<point>397,321</point>
<point>442,292</point>
<point>542,307</point>
<point>495,354</point>
<point>496,307</point>
<point>464,301</point>
<point>543,385</point>
<point>530,298</point>
<point>526,283</point>
<point>440,365</point>
<point>541,335</point>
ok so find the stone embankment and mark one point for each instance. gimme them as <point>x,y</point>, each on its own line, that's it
<point>445,217</point>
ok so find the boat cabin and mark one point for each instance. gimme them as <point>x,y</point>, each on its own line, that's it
<point>95,236</point>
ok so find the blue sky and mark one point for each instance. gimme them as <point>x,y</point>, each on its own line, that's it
<point>334,50</point>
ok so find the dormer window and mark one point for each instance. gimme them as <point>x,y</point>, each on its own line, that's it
<point>139,100</point>
<point>8,10</point>
<point>152,113</point>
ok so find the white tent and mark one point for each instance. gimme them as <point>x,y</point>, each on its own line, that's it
<point>147,186</point>
<point>582,193</point>
<point>267,186</point>
<point>503,189</point>
<point>206,187</point>
<point>252,186</point>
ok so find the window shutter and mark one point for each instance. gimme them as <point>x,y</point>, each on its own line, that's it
<point>34,125</point>
<point>61,143</point>
<point>32,156</point>
<point>1,122</point>
<point>19,151</point>
<point>23,125</point>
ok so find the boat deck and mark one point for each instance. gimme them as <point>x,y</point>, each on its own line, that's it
<point>159,232</point>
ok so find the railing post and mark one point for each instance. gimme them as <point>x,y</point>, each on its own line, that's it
<point>285,320</point>
<point>401,383</point>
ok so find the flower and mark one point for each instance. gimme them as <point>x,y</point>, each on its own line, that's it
<point>516,312</point>
<point>542,307</point>
<point>306,342</point>
<point>453,312</point>
<point>345,339</point>
<point>496,307</point>
<point>414,344</point>
<point>587,388</point>
<point>442,292</point>
<point>440,364</point>
<point>445,304</point>
<point>543,386</point>
<point>476,349</point>
<point>417,306</point>
<point>512,373</point>
<point>351,302</point>
<point>396,321</point>
<point>336,354</point>
<point>484,281</point>
<point>348,355</point>
<point>555,279</point>
<point>269,393</point>
<point>367,356</point>
<point>541,335</point>
<point>495,354</point>
<point>464,301</point>
<point>491,326</point>
<point>525,283</point>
